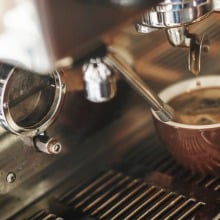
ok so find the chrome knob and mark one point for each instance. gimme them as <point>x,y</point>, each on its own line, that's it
<point>99,80</point>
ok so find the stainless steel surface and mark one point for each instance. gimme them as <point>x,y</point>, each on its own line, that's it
<point>163,110</point>
<point>99,80</point>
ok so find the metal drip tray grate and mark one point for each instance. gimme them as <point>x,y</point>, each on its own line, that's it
<point>43,215</point>
<point>150,158</point>
<point>114,195</point>
<point>147,184</point>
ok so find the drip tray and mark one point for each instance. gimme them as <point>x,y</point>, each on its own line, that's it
<point>146,184</point>
<point>114,195</point>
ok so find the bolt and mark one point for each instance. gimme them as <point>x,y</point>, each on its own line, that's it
<point>55,147</point>
<point>37,131</point>
<point>48,145</point>
<point>5,105</point>
<point>11,177</point>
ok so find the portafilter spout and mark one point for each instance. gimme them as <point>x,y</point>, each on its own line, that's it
<point>163,110</point>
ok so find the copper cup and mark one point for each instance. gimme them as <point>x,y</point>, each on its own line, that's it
<point>196,147</point>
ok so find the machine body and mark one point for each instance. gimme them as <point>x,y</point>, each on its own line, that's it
<point>77,139</point>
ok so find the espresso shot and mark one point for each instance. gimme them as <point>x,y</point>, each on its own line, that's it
<point>197,107</point>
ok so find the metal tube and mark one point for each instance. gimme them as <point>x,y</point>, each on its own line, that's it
<point>164,112</point>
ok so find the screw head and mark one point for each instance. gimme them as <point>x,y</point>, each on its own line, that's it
<point>5,105</point>
<point>11,177</point>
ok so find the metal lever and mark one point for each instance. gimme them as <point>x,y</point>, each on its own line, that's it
<point>164,111</point>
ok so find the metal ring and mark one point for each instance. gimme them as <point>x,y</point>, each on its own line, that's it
<point>6,118</point>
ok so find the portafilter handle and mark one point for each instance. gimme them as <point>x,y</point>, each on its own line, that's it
<point>29,104</point>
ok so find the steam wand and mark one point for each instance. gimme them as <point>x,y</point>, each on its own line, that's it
<point>100,83</point>
<point>163,110</point>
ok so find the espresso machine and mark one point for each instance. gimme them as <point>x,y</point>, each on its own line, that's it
<point>78,80</point>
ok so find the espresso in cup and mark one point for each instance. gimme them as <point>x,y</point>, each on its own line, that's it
<point>197,107</point>
<point>193,136</point>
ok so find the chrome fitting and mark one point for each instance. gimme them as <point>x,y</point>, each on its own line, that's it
<point>175,16</point>
<point>173,13</point>
<point>47,144</point>
<point>99,80</point>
